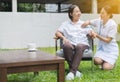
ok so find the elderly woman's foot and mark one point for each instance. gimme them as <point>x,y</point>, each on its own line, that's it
<point>78,74</point>
<point>70,76</point>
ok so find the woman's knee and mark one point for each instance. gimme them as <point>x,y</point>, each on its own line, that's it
<point>98,61</point>
<point>81,47</point>
<point>107,66</point>
<point>67,45</point>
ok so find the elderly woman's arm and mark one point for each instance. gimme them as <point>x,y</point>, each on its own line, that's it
<point>60,35</point>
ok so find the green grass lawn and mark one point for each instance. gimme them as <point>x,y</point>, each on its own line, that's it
<point>97,75</point>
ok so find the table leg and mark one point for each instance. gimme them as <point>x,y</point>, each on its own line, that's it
<point>61,73</point>
<point>3,75</point>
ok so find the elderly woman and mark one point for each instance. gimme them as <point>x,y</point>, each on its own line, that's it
<point>75,39</point>
<point>107,48</point>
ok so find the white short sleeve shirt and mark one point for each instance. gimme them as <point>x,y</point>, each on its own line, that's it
<point>74,32</point>
<point>107,51</point>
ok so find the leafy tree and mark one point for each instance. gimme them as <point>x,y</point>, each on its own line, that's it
<point>31,7</point>
<point>5,6</point>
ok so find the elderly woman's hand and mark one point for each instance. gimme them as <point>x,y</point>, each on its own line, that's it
<point>65,40</point>
<point>93,34</point>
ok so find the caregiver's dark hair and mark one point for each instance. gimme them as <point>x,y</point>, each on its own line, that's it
<point>108,9</point>
<point>70,11</point>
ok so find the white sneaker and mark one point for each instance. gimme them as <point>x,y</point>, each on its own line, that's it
<point>78,74</point>
<point>70,76</point>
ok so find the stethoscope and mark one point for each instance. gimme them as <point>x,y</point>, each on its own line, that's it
<point>101,25</point>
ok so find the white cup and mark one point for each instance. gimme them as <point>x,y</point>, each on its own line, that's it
<point>31,46</point>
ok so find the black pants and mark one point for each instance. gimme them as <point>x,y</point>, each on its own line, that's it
<point>73,55</point>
